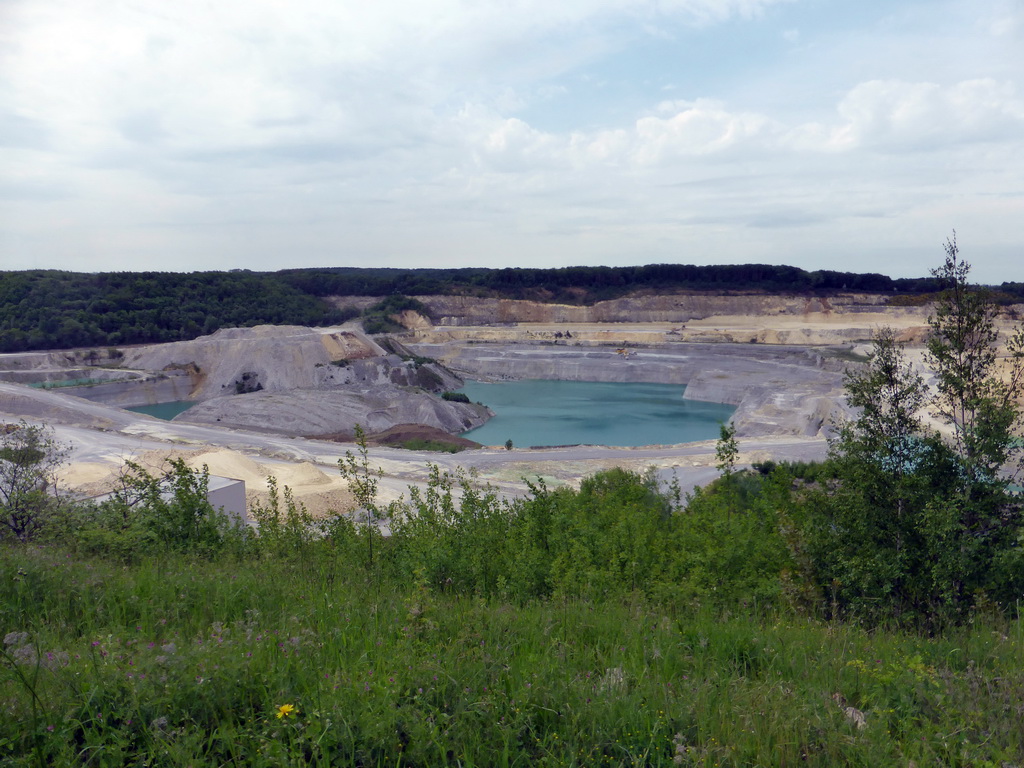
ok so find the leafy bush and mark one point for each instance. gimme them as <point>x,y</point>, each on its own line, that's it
<point>915,528</point>
<point>149,514</point>
<point>437,446</point>
<point>455,397</point>
<point>379,318</point>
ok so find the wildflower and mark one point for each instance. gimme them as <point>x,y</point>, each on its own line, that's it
<point>16,638</point>
<point>285,710</point>
<point>26,654</point>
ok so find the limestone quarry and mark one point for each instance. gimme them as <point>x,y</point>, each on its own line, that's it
<point>265,394</point>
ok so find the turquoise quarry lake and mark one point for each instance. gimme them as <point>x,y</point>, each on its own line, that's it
<point>541,412</point>
<point>166,411</point>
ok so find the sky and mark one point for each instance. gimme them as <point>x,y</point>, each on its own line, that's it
<point>271,134</point>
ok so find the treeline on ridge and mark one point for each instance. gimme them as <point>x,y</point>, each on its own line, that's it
<point>583,285</point>
<point>50,309</point>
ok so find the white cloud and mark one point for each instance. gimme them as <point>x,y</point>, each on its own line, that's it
<point>888,116</point>
<point>702,127</point>
<point>1008,20</point>
<point>897,115</point>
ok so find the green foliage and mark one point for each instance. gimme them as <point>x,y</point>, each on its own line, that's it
<point>46,309</point>
<point>380,317</point>
<point>727,449</point>
<point>913,528</point>
<point>731,543</point>
<point>29,459</point>
<point>455,397</point>
<point>576,285</point>
<point>437,446</point>
<point>613,534</point>
<point>151,514</point>
<point>982,409</point>
<point>450,535</point>
<point>183,662</point>
<point>363,483</point>
<point>617,535</point>
<point>285,526</point>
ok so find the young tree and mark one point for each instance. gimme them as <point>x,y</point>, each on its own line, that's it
<point>726,450</point>
<point>916,525</point>
<point>362,482</point>
<point>979,398</point>
<point>866,531</point>
<point>29,459</point>
<point>981,406</point>
<point>889,394</point>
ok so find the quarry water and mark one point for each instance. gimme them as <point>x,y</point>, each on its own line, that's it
<point>535,412</point>
<point>165,411</point>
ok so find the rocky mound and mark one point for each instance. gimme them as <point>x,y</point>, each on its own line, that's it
<point>307,412</point>
<point>271,358</point>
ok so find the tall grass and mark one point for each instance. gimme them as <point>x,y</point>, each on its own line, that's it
<point>174,661</point>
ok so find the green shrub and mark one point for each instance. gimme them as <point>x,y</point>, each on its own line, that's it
<point>151,514</point>
<point>438,446</point>
<point>378,318</point>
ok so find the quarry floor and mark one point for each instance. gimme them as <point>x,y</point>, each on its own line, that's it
<point>310,467</point>
<point>102,437</point>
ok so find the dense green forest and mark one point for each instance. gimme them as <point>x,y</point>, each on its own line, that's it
<point>47,309</point>
<point>54,310</point>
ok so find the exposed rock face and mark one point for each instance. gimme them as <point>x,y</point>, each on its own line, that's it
<point>778,402</point>
<point>62,359</point>
<point>319,381</point>
<point>675,308</point>
<point>307,412</point>
<point>165,387</point>
<point>412,320</point>
<point>277,357</point>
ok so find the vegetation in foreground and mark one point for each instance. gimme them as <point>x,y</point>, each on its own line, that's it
<point>287,661</point>
<point>864,611</point>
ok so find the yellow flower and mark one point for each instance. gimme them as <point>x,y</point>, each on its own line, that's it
<point>285,710</point>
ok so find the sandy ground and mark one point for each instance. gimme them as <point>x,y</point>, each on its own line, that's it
<point>310,467</point>
<point>317,490</point>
